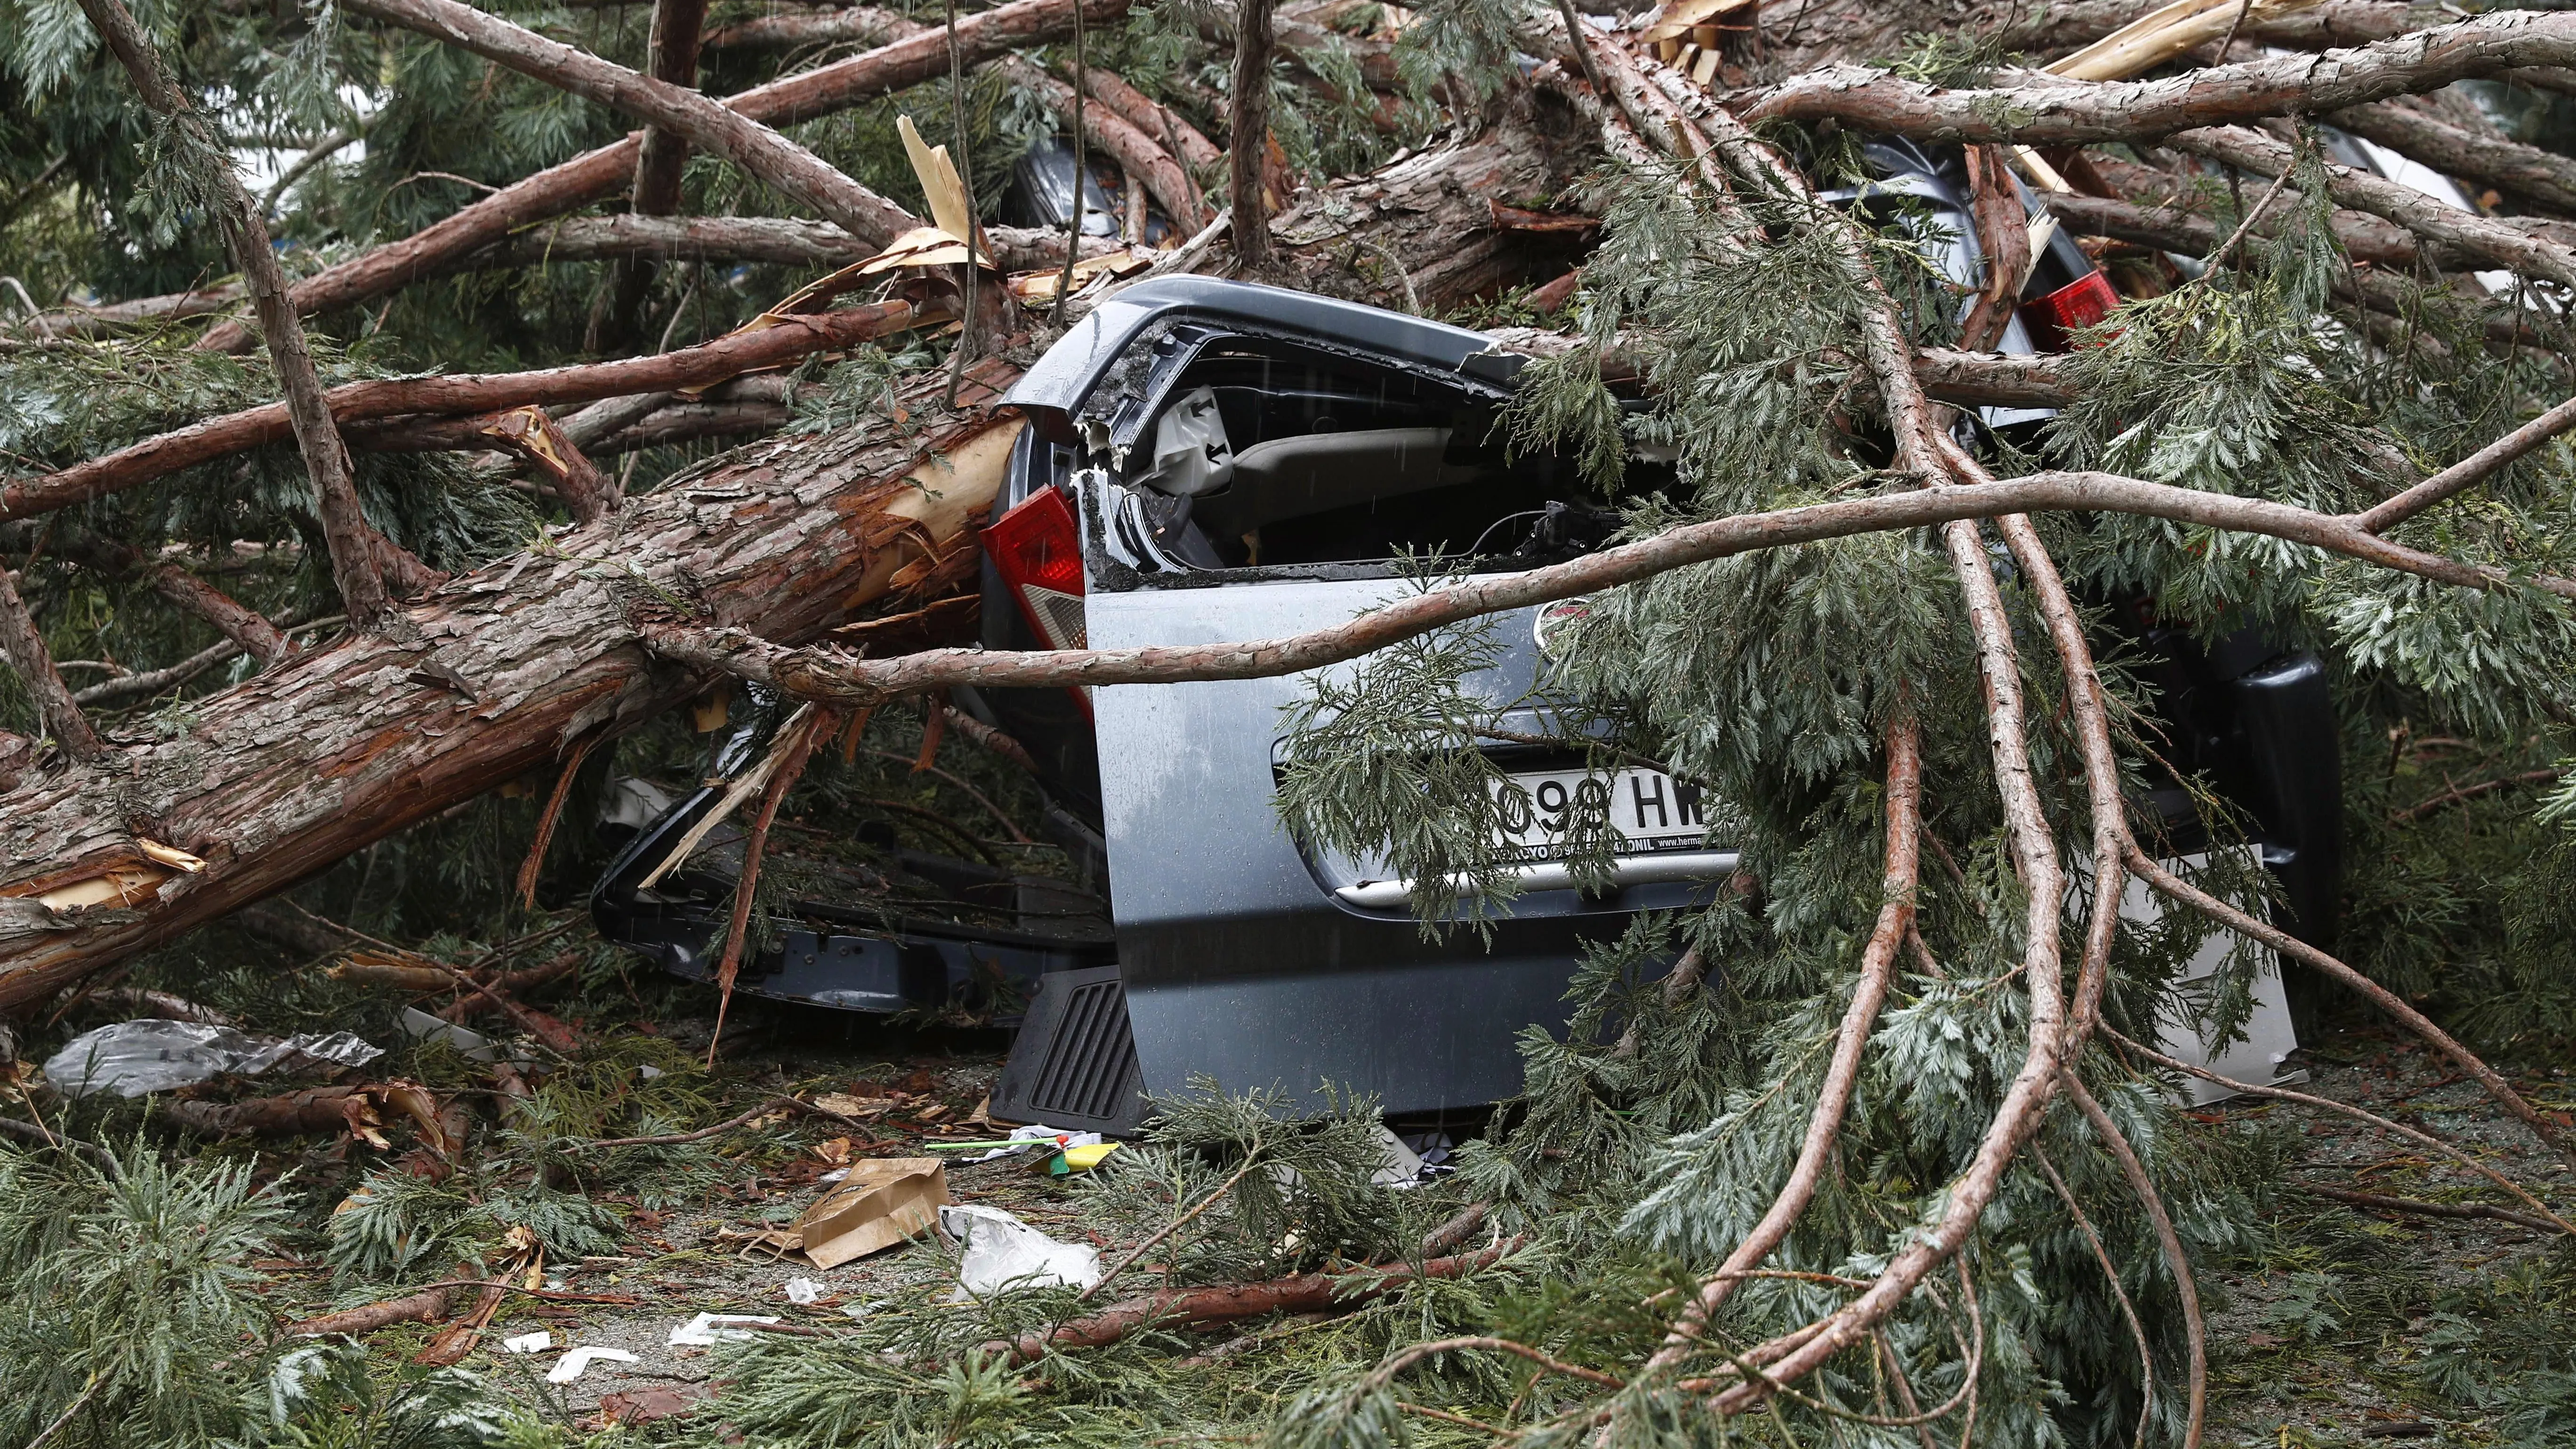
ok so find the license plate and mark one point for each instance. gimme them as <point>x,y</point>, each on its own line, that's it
<point>1648,811</point>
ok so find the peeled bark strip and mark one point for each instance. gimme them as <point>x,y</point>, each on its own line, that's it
<point>703,123</point>
<point>538,440</point>
<point>712,362</point>
<point>315,1109</point>
<point>427,1306</point>
<point>277,778</point>
<point>597,175</point>
<point>357,551</point>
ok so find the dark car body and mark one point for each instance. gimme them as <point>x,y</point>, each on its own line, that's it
<point>1241,462</point>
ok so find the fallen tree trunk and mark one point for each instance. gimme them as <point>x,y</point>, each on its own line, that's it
<point>345,744</point>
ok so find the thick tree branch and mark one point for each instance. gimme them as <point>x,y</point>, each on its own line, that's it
<point>865,24</point>
<point>1168,128</point>
<point>274,780</point>
<point>2049,29</point>
<point>2469,471</point>
<point>2543,178</point>
<point>671,56</point>
<point>2061,112</point>
<point>25,650</point>
<point>2497,243</point>
<point>2105,801</point>
<point>249,629</point>
<point>597,175</point>
<point>2370,288</point>
<point>683,113</point>
<point>712,362</point>
<point>1248,134</point>
<point>1166,180</point>
<point>356,549</point>
<point>825,674</point>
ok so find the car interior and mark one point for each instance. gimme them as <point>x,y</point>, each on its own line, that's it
<point>1268,456</point>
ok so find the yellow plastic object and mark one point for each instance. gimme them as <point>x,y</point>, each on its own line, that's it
<point>1081,1159</point>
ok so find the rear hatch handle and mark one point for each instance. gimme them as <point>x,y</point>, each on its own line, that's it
<point>1557,875</point>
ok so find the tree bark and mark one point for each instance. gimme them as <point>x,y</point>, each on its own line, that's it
<point>868,24</point>
<point>2045,111</point>
<point>671,56</point>
<point>683,113</point>
<point>2543,178</point>
<point>340,746</point>
<point>597,175</point>
<point>25,650</point>
<point>1160,122</point>
<point>314,1109</point>
<point>1247,136</point>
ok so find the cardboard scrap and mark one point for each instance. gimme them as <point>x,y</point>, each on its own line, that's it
<point>884,1201</point>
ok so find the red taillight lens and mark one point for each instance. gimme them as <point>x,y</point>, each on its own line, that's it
<point>1038,552</point>
<point>1035,545</point>
<point>2054,320</point>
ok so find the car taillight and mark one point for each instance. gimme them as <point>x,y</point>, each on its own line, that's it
<point>2054,320</point>
<point>1038,552</point>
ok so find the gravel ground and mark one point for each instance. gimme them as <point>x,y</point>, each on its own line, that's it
<point>2385,1282</point>
<point>2326,1338</point>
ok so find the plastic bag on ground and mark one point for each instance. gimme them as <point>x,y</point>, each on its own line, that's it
<point>1001,1252</point>
<point>708,1329</point>
<point>1035,1135</point>
<point>132,1058</point>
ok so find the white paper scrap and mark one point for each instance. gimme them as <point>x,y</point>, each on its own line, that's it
<point>704,1330</point>
<point>803,1290</point>
<point>536,1342</point>
<point>569,1367</point>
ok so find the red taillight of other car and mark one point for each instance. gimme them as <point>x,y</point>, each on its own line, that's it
<point>2054,320</point>
<point>1038,553</point>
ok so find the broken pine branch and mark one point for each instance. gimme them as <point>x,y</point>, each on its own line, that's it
<point>597,175</point>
